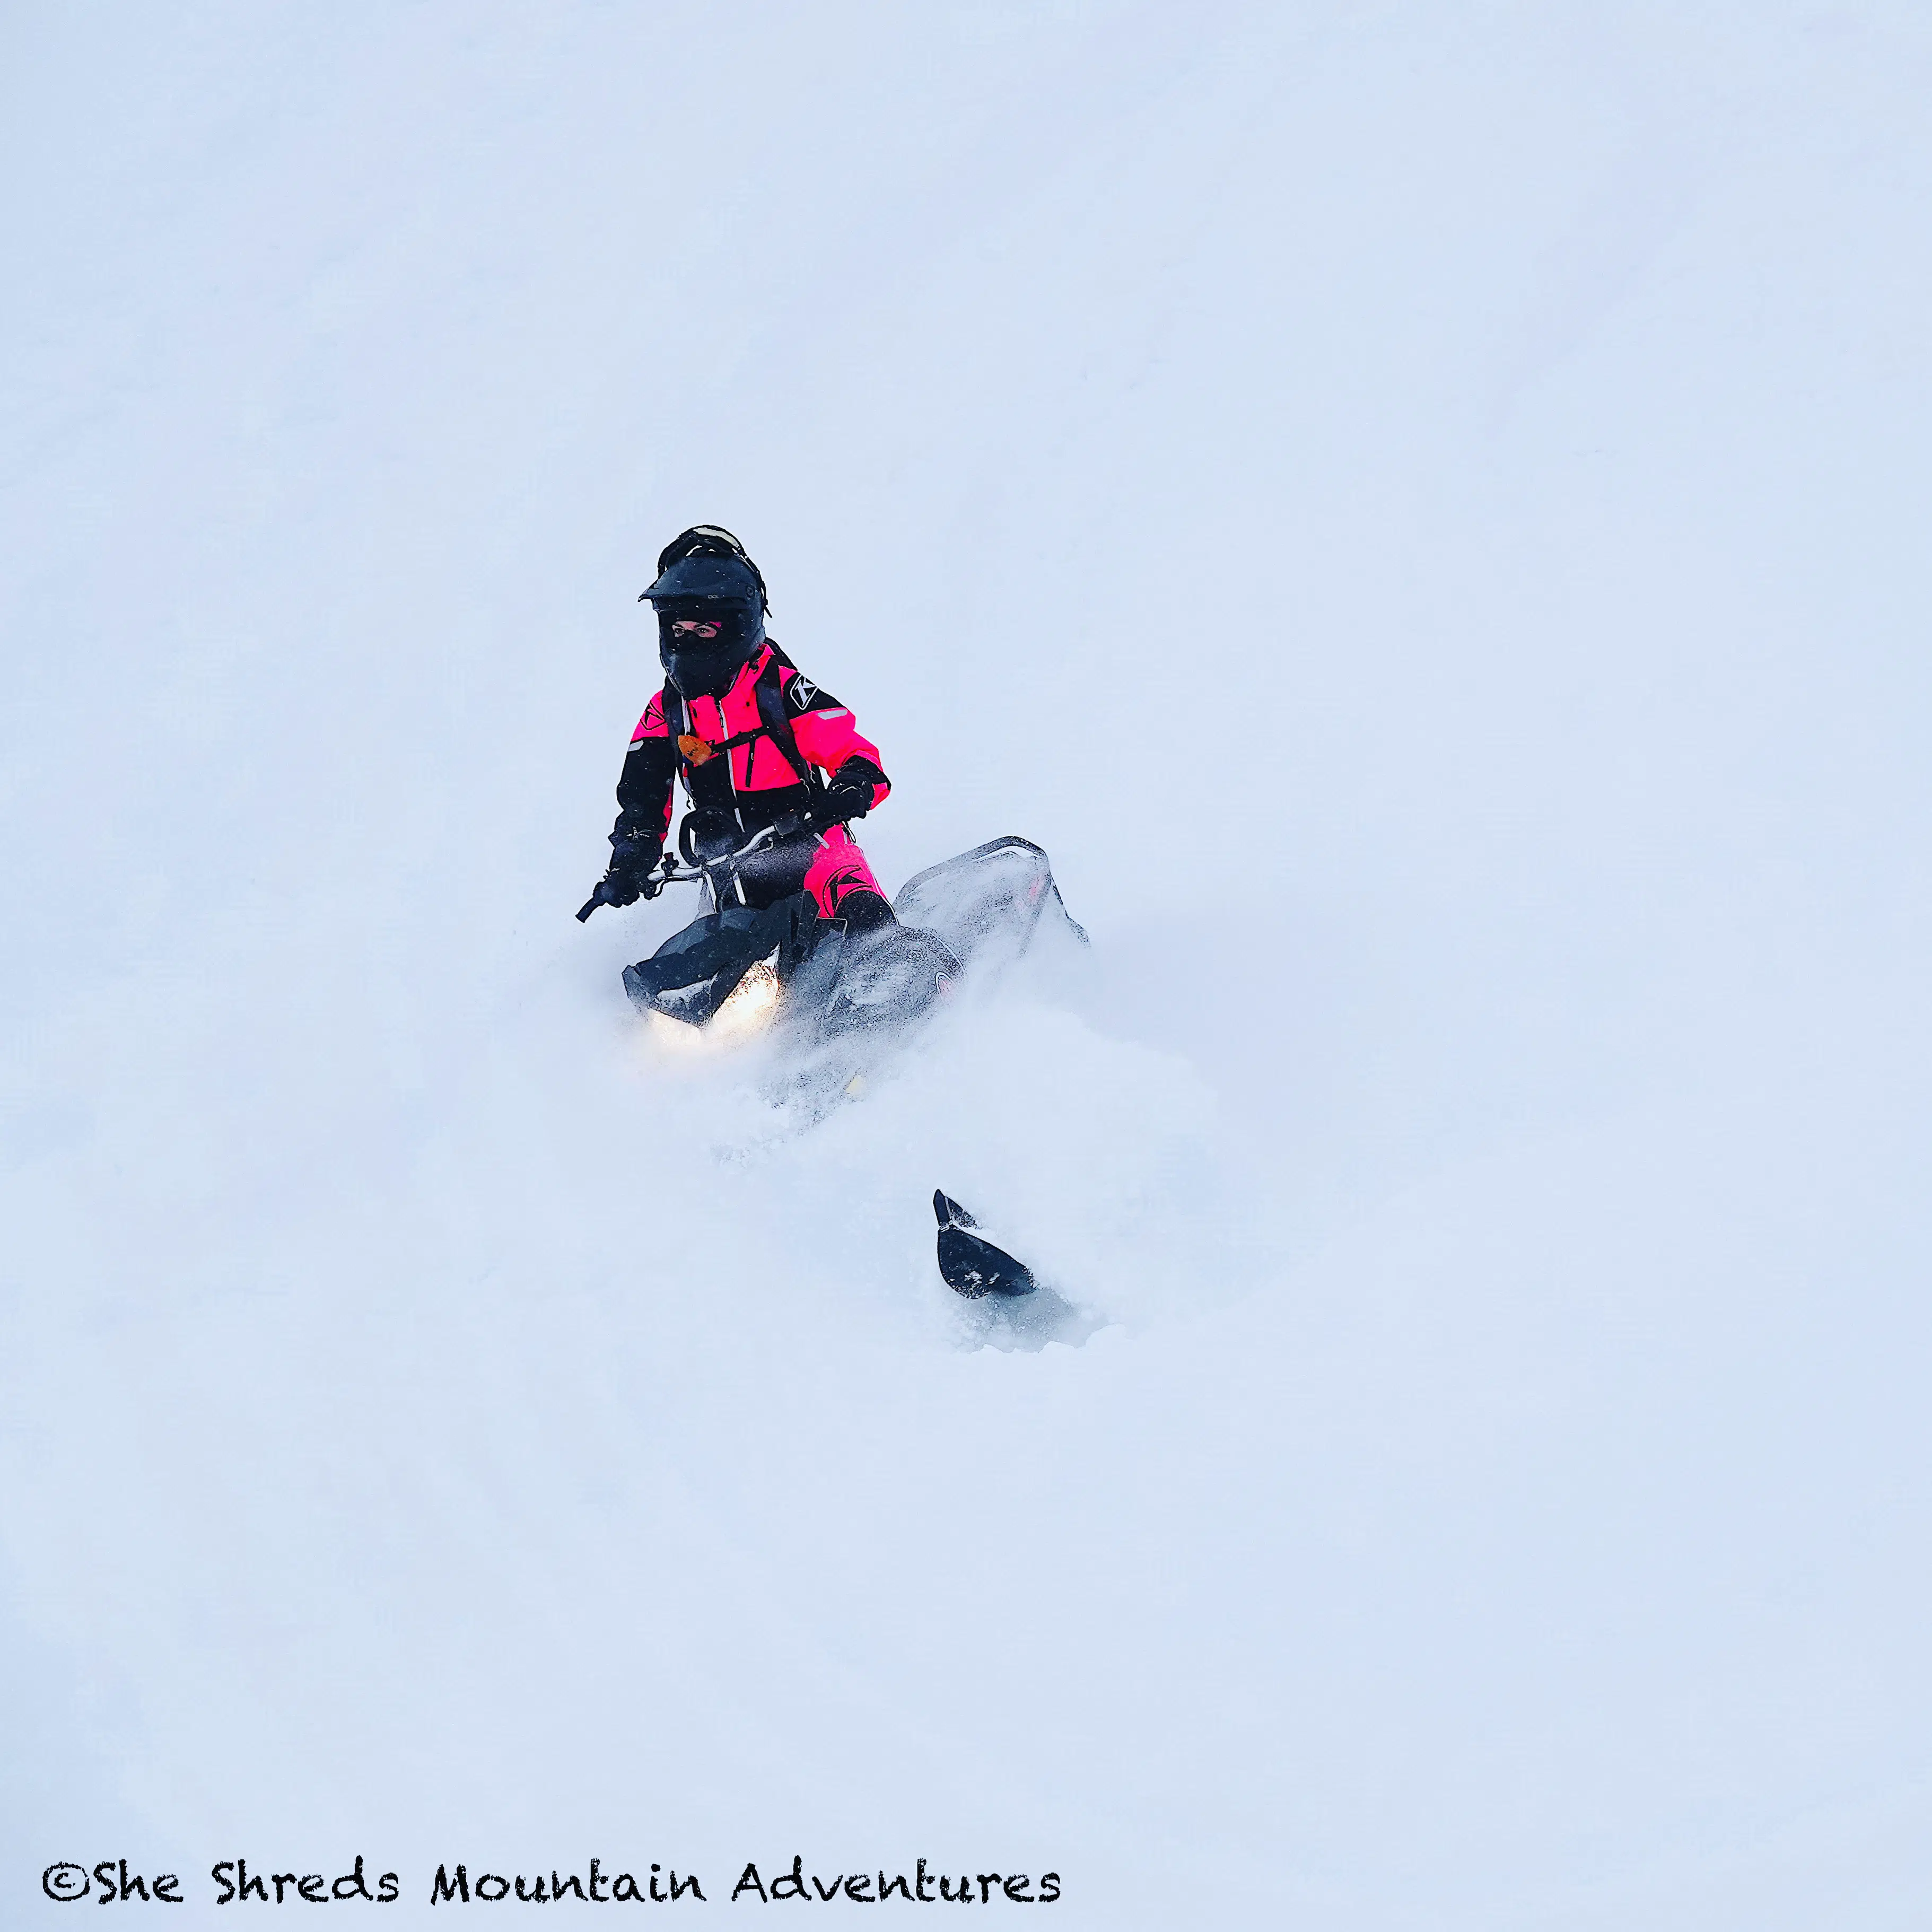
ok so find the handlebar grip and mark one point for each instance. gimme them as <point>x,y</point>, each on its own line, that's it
<point>591,905</point>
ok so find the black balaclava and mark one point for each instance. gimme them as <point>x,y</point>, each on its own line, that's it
<point>707,580</point>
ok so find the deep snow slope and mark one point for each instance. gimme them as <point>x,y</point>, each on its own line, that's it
<point>1420,508</point>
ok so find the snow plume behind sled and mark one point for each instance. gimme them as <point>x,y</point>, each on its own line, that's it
<point>861,997</point>
<point>1100,1160</point>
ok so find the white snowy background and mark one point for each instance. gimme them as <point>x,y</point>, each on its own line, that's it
<point>1422,509</point>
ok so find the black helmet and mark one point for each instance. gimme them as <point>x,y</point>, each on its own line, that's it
<point>704,574</point>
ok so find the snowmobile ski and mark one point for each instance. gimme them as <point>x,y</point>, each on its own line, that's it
<point>970,1264</point>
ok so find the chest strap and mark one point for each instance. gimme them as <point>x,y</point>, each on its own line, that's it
<point>772,724</point>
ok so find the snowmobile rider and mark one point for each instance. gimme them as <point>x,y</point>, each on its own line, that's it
<point>756,743</point>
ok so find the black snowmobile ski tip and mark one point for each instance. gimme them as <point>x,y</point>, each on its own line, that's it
<point>969,1264</point>
<point>948,1212</point>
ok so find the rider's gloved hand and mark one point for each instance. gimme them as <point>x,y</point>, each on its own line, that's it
<point>848,796</point>
<point>632,875</point>
<point>634,864</point>
<point>617,888</point>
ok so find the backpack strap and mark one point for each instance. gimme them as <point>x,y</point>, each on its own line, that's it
<point>777,727</point>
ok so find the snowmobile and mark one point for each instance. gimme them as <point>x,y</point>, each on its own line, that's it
<point>842,1001</point>
<point>833,992</point>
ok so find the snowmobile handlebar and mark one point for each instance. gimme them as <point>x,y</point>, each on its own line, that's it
<point>718,870</point>
<point>668,873</point>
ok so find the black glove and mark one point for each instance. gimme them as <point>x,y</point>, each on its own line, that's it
<point>632,862</point>
<point>623,889</point>
<point>846,797</point>
<point>632,875</point>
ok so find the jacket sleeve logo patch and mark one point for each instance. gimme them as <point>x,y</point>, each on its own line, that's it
<point>801,691</point>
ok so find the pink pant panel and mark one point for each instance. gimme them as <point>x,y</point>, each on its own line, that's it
<point>839,868</point>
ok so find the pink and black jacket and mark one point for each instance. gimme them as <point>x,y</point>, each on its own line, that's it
<point>749,759</point>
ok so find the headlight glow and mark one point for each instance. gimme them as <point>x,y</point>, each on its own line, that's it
<point>747,1011</point>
